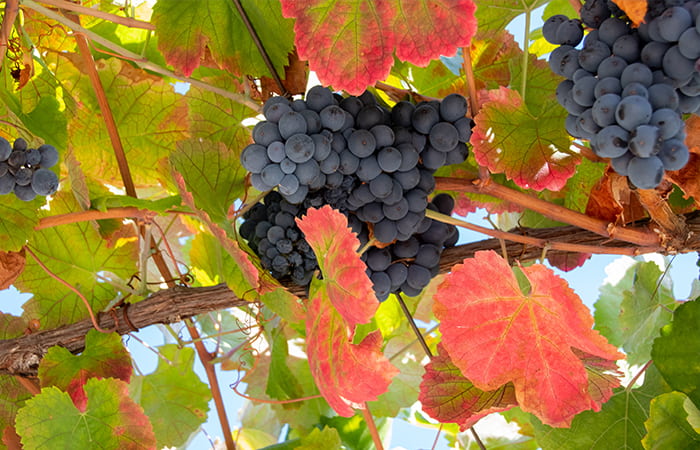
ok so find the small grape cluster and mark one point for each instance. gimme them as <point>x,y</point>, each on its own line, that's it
<point>627,88</point>
<point>372,163</point>
<point>25,171</point>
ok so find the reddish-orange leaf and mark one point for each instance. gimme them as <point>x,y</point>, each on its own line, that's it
<point>350,43</point>
<point>496,334</point>
<point>602,376</point>
<point>531,150</point>
<point>346,374</point>
<point>344,279</point>
<point>567,261</point>
<point>447,396</point>
<point>635,9</point>
<point>429,28</point>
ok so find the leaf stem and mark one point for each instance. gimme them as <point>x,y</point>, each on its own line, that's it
<point>477,439</point>
<point>369,420</point>
<point>632,382</point>
<point>472,94</point>
<point>93,214</point>
<point>261,48</point>
<point>413,326</point>
<point>273,402</point>
<point>641,237</point>
<point>28,385</point>
<point>119,20</point>
<point>526,54</point>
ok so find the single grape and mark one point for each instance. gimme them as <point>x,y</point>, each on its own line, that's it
<point>674,154</point>
<point>582,91</point>
<point>299,148</point>
<point>7,183</point>
<point>673,22</point>
<point>381,283</point>
<point>253,158</point>
<point>369,116</point>
<point>384,135</point>
<point>368,169</point>
<point>453,107</point>
<point>19,145</point>
<point>633,111</point>
<point>25,193</point>
<point>611,142</point>
<point>313,121</point>
<point>264,133</point>
<point>381,186</point>
<point>272,174</point>
<point>318,98</point>
<point>550,27</point>
<point>645,173</point>
<point>5,149</point>
<point>443,136</point>
<point>385,231</point>
<point>612,66</point>
<point>662,95</point>
<point>389,159</point>
<point>291,123</point>
<point>332,117</point>
<point>620,163</point>
<point>592,55</point>
<point>23,176</point>
<point>604,109</point>
<point>362,143</point>
<point>611,29</point>
<point>608,85</point>
<point>676,65</point>
<point>418,276</point>
<point>644,141</point>
<point>33,157</point>
<point>652,54</point>
<point>668,121</point>
<point>636,73</point>
<point>627,47</point>
<point>424,117</point>
<point>689,43</point>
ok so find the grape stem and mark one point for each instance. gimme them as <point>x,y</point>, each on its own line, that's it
<point>472,93</point>
<point>372,428</point>
<point>640,237</point>
<point>414,327</point>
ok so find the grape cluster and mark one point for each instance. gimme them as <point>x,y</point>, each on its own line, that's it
<point>626,89</point>
<point>25,171</point>
<point>372,163</point>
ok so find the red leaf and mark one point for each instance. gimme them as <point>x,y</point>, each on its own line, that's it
<point>344,279</point>
<point>531,150</point>
<point>430,28</point>
<point>567,261</point>
<point>346,374</point>
<point>602,376</point>
<point>495,334</point>
<point>350,43</point>
<point>447,396</point>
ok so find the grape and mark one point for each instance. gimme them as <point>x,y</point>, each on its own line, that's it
<point>652,54</point>
<point>307,171</point>
<point>569,63</point>
<point>23,176</point>
<point>635,89</point>
<point>322,146</point>
<point>674,154</point>
<point>401,114</point>
<point>275,151</point>
<point>25,193</point>
<point>636,73</point>
<point>427,180</point>
<point>385,231</point>
<point>688,105</point>
<point>573,127</point>
<point>369,116</point>
<point>299,148</point>
<point>582,91</point>
<point>17,158</point>
<point>381,186</point>
<point>368,169</point>
<point>692,88</point>
<point>612,66</point>
<point>332,117</point>
<point>351,104</point>
<point>668,121</point>
<point>4,168</point>
<point>593,13</point>
<point>673,22</point>
<point>7,183</point>
<point>299,105</point>
<point>433,159</point>
<point>644,141</point>
<point>257,182</point>
<point>676,65</point>
<point>464,128</point>
<point>397,273</point>
<point>620,163</point>
<point>611,29</point>
<point>288,166</point>
<point>253,158</point>
<point>348,162</point>
<point>272,174</point>
<point>381,285</point>
<point>274,112</point>
<point>5,149</point>
<point>611,142</point>
<point>418,276</point>
<point>591,56</point>
<point>569,32</point>
<point>662,96</point>
<point>362,143</point>
<point>378,259</point>
<point>457,155</point>
<point>443,136</point>
<point>273,101</point>
<point>550,27</point>
<point>586,122</point>
<point>633,111</point>
<point>609,85</point>
<point>453,107</point>
<point>291,123</point>
<point>264,133</point>
<point>396,211</point>
<point>330,164</point>
<point>444,203</point>
<point>556,57</point>
<point>318,98</point>
<point>383,135</point>
<point>408,179</point>
<point>428,255</point>
<point>313,121</point>
<point>389,159</point>
<point>604,109</point>
<point>645,173</point>
<point>19,145</point>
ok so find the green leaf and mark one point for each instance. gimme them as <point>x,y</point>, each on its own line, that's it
<point>619,424</point>
<point>693,414</point>
<point>77,254</point>
<point>17,221</point>
<point>496,14</point>
<point>150,117</point>
<point>532,149</point>
<point>645,308</point>
<point>212,174</point>
<point>173,397</point>
<point>109,419</point>
<point>281,383</point>
<point>354,432</point>
<point>677,351</point>
<point>104,357</point>
<point>607,307</point>
<point>327,439</point>
<point>667,426</point>
<point>541,84</point>
<point>190,31</point>
<point>578,187</point>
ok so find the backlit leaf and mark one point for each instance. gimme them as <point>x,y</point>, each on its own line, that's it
<point>346,374</point>
<point>173,397</point>
<point>634,9</point>
<point>350,43</point>
<point>190,31</point>
<point>345,282</point>
<point>447,396</point>
<point>677,351</point>
<point>524,339</point>
<point>327,439</point>
<point>667,425</point>
<point>110,419</point>
<point>496,14</point>
<point>11,265</point>
<point>104,357</point>
<point>532,150</point>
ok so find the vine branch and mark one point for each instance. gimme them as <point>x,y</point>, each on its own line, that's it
<point>85,11</point>
<point>8,20</point>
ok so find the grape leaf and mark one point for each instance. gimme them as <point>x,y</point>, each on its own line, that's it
<point>17,222</point>
<point>645,308</point>
<point>634,9</point>
<point>607,307</point>
<point>496,14</point>
<point>667,425</point>
<point>189,32</point>
<point>77,254</point>
<point>282,384</point>
<point>524,339</point>
<point>11,265</point>
<point>110,420</point>
<point>531,150</point>
<point>619,423</point>
<point>567,261</point>
<point>104,357</point>
<point>349,43</point>
<point>447,396</point>
<point>173,397</point>
<point>345,282</point>
<point>676,352</point>
<point>347,375</point>
<point>327,439</point>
